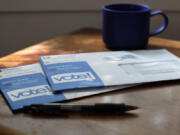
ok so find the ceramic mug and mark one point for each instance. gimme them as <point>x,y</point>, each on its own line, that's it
<point>127,26</point>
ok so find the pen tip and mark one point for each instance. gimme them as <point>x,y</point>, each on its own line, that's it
<point>130,107</point>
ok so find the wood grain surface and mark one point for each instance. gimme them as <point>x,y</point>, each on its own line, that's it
<point>159,103</point>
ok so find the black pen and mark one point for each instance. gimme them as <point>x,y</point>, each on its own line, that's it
<point>59,108</point>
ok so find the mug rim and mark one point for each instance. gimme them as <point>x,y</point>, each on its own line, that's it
<point>107,8</point>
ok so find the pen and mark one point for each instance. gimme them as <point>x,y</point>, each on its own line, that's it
<point>59,108</point>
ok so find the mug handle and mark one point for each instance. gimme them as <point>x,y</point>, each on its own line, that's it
<point>163,26</point>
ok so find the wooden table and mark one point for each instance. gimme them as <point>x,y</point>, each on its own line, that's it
<point>159,102</point>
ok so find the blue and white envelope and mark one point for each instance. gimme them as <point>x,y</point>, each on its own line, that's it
<point>85,70</point>
<point>26,85</point>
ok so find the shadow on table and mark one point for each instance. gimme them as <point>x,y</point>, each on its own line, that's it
<point>91,116</point>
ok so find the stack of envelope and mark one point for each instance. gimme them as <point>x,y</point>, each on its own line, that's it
<point>62,77</point>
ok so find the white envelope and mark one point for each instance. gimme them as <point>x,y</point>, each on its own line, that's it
<point>111,68</point>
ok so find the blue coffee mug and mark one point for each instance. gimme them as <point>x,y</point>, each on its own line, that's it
<point>127,26</point>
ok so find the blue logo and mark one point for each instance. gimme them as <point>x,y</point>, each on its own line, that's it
<point>73,77</point>
<point>30,92</point>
